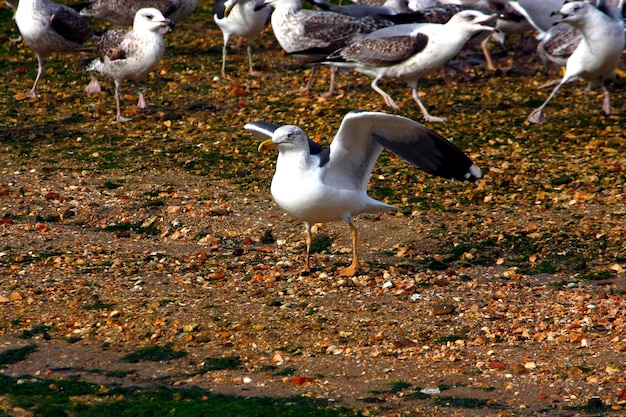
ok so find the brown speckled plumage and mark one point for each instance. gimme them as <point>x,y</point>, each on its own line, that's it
<point>387,51</point>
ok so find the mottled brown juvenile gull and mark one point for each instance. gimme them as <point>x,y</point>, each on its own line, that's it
<point>598,52</point>
<point>319,186</point>
<point>131,54</point>
<point>240,18</point>
<point>297,29</point>
<point>122,12</point>
<point>411,51</point>
<point>48,27</point>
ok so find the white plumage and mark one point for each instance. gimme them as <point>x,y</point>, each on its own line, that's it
<point>598,52</point>
<point>131,54</point>
<point>318,186</point>
<point>411,51</point>
<point>239,18</point>
<point>48,27</point>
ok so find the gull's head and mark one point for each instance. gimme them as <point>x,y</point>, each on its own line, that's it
<point>474,21</point>
<point>572,12</point>
<point>286,138</point>
<point>151,19</point>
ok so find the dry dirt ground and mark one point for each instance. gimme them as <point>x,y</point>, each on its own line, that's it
<point>505,298</point>
<point>527,344</point>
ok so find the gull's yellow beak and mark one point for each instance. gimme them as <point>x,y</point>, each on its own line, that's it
<point>266,145</point>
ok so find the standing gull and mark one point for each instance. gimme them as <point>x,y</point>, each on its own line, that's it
<point>239,18</point>
<point>320,186</point>
<point>122,12</point>
<point>297,29</point>
<point>131,54</point>
<point>411,51</point>
<point>48,27</point>
<point>598,53</point>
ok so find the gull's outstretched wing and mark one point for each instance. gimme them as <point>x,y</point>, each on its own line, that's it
<point>363,135</point>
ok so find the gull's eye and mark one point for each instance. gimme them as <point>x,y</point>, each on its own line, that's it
<point>149,17</point>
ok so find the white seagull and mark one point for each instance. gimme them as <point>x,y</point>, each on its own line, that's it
<point>130,54</point>
<point>319,185</point>
<point>411,51</point>
<point>297,29</point>
<point>239,18</point>
<point>48,27</point>
<point>122,12</point>
<point>598,52</point>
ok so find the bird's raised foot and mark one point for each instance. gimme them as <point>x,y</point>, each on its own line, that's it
<point>141,103</point>
<point>537,116</point>
<point>93,87</point>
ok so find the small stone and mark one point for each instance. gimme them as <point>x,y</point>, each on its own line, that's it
<point>334,350</point>
<point>441,309</point>
<point>519,369</point>
<point>430,391</point>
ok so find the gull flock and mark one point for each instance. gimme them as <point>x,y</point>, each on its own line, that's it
<point>398,40</point>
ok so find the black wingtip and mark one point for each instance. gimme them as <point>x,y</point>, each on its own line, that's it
<point>436,155</point>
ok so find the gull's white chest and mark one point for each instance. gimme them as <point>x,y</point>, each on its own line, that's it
<point>296,186</point>
<point>315,194</point>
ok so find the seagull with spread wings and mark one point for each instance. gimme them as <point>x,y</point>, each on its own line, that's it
<point>319,185</point>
